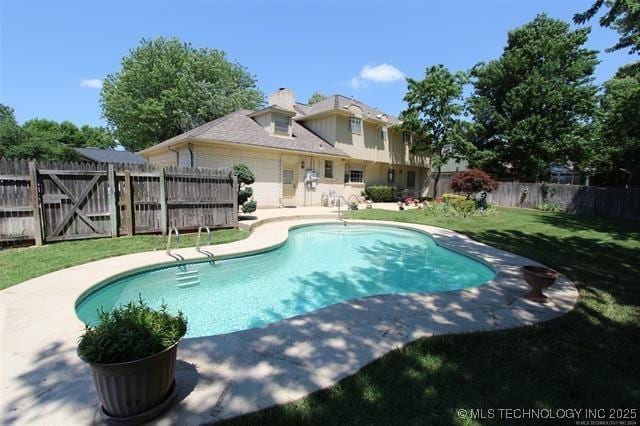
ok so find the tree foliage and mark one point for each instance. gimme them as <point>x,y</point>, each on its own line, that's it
<point>41,139</point>
<point>316,97</point>
<point>616,155</point>
<point>622,16</point>
<point>535,104</point>
<point>245,177</point>
<point>472,181</point>
<point>166,87</point>
<point>433,116</point>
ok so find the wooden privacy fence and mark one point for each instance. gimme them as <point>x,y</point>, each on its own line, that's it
<point>618,203</point>
<point>46,201</point>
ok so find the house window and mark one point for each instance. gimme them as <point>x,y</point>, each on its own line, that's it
<point>287,177</point>
<point>384,133</point>
<point>406,137</point>
<point>328,169</point>
<point>411,179</point>
<point>355,125</point>
<point>356,174</point>
<point>391,176</point>
<point>281,124</point>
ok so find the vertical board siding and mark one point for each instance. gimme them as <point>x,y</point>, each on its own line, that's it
<point>76,200</point>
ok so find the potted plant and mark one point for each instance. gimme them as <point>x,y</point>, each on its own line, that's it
<point>132,353</point>
<point>538,278</point>
<point>353,205</point>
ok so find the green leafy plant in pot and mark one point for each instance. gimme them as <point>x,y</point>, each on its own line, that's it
<point>132,353</point>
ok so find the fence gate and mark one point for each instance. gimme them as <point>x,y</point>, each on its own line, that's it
<point>74,200</point>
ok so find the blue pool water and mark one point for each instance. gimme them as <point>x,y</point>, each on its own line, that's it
<point>319,266</point>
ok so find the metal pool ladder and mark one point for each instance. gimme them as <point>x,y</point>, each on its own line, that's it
<point>198,249</point>
<point>173,230</point>
<point>186,277</point>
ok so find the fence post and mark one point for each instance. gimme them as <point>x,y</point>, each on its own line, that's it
<point>128,201</point>
<point>37,224</point>
<point>234,182</point>
<point>163,202</point>
<point>113,202</point>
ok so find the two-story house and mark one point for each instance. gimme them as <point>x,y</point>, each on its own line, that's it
<point>299,152</point>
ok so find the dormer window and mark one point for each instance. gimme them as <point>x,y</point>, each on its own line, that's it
<point>281,124</point>
<point>384,133</point>
<point>406,137</point>
<point>355,125</point>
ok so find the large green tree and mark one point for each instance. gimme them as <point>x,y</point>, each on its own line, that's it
<point>622,16</point>
<point>535,104</point>
<point>41,139</point>
<point>433,117</point>
<point>617,152</point>
<point>166,87</point>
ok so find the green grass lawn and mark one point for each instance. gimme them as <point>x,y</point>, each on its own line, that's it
<point>585,359</point>
<point>20,264</point>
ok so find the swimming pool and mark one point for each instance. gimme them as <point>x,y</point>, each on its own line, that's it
<point>318,266</point>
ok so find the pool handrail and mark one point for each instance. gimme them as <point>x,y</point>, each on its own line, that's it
<point>173,230</point>
<point>199,234</point>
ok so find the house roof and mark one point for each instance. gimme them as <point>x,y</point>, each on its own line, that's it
<point>110,156</point>
<point>337,102</point>
<point>238,127</point>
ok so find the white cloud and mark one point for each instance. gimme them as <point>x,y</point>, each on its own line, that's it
<point>381,73</point>
<point>356,82</point>
<point>91,83</point>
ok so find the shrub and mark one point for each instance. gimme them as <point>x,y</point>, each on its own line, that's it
<point>550,206</point>
<point>445,209</point>
<point>245,177</point>
<point>460,202</point>
<point>472,181</point>
<point>131,332</point>
<point>249,207</point>
<point>381,193</point>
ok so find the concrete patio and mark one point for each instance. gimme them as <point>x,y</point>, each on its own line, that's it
<point>44,382</point>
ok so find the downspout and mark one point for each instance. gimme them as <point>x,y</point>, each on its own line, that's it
<point>190,153</point>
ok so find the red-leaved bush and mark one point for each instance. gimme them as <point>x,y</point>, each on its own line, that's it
<point>472,181</point>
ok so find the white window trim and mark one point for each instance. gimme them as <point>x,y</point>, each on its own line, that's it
<point>275,127</point>
<point>332,170</point>
<point>351,126</point>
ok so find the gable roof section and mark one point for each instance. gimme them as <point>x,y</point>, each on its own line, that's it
<point>110,156</point>
<point>239,128</point>
<point>337,102</point>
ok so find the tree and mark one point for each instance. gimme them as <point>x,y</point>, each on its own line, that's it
<point>617,154</point>
<point>40,139</point>
<point>11,134</point>
<point>245,177</point>
<point>622,16</point>
<point>535,104</point>
<point>97,137</point>
<point>433,117</point>
<point>166,87</point>
<point>316,97</point>
<point>472,181</point>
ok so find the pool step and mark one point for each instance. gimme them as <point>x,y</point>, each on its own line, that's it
<point>187,278</point>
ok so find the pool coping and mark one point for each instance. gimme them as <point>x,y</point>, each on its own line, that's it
<point>232,374</point>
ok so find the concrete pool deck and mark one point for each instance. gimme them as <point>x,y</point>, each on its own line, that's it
<point>44,382</point>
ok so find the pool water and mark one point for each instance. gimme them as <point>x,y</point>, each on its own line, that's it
<point>318,266</point>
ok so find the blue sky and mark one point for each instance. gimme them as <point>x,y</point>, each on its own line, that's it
<point>54,53</point>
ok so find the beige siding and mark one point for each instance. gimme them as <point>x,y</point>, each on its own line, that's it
<point>325,127</point>
<point>165,158</point>
<point>266,166</point>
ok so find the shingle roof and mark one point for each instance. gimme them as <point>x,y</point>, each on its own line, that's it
<point>339,101</point>
<point>239,128</point>
<point>110,156</point>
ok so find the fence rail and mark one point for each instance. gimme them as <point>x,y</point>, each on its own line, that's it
<point>617,203</point>
<point>46,201</point>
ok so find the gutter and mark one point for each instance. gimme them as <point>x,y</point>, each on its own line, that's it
<point>177,155</point>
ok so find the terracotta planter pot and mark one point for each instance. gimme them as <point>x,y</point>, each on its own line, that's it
<point>136,391</point>
<point>538,278</point>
